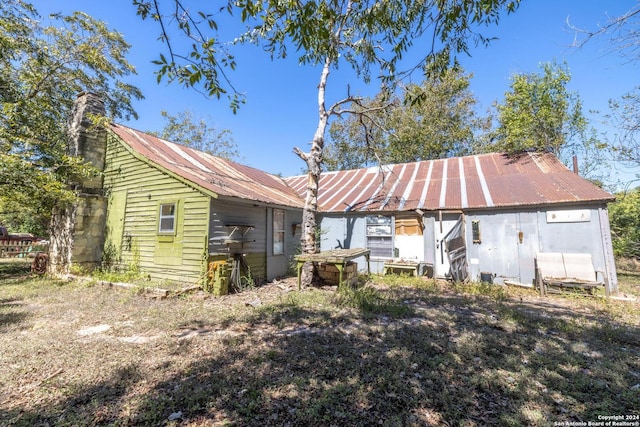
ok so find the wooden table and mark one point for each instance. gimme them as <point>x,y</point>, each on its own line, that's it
<point>337,257</point>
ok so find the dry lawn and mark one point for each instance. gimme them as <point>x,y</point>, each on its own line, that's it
<point>396,352</point>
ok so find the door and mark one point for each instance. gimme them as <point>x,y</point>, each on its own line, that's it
<point>527,245</point>
<point>443,225</point>
<point>456,249</point>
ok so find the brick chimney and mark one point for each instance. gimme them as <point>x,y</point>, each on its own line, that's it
<point>77,231</point>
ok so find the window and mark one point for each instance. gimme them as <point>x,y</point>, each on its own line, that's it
<point>167,220</point>
<point>380,235</point>
<point>475,230</point>
<point>278,231</point>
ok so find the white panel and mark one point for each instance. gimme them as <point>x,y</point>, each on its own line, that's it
<point>410,247</point>
<point>576,215</point>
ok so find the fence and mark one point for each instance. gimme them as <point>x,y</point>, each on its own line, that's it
<point>16,249</point>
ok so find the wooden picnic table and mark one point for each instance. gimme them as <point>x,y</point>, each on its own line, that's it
<point>337,257</point>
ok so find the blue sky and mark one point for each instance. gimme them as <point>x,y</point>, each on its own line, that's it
<point>281,108</point>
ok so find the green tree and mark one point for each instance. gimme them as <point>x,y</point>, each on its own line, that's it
<point>429,121</point>
<point>370,36</point>
<point>42,70</point>
<point>20,215</point>
<point>359,139</point>
<point>187,129</point>
<point>624,216</point>
<point>540,114</point>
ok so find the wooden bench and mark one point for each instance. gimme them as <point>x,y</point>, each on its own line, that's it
<point>567,270</point>
<point>412,268</point>
<point>402,267</point>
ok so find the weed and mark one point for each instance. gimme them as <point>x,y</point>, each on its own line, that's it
<point>370,301</point>
<point>493,291</point>
<point>382,354</point>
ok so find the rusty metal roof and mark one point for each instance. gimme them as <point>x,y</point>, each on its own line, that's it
<point>472,182</point>
<point>218,176</point>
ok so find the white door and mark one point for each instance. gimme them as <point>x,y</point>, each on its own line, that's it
<point>456,248</point>
<point>443,226</point>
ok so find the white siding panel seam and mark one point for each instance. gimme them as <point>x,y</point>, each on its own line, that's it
<point>483,183</point>
<point>443,187</point>
<point>463,185</point>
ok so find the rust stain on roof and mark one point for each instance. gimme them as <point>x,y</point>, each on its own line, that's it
<point>471,182</point>
<point>219,176</point>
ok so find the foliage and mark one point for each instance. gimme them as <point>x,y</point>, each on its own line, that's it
<point>624,216</point>
<point>42,70</point>
<point>539,114</point>
<point>360,139</point>
<point>370,301</point>
<point>429,121</point>
<point>20,215</point>
<point>302,358</point>
<point>361,33</point>
<point>187,129</point>
<point>202,60</point>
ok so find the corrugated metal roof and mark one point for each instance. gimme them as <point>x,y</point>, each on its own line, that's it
<point>219,176</point>
<point>472,182</point>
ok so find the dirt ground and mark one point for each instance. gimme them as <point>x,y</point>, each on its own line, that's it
<point>400,352</point>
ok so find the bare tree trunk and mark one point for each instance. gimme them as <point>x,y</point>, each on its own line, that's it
<point>61,230</point>
<point>313,160</point>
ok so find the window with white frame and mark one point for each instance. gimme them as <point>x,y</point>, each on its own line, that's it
<point>380,235</point>
<point>278,231</point>
<point>167,218</point>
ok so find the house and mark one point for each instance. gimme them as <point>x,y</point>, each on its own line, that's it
<point>172,207</point>
<point>170,211</point>
<point>487,214</point>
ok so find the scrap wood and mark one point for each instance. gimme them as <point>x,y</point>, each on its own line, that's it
<point>188,289</point>
<point>49,377</point>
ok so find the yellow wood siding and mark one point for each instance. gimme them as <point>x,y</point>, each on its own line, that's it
<point>181,258</point>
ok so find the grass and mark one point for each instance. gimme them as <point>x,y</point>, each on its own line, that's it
<point>396,351</point>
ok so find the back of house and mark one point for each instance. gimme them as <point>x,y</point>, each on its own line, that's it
<point>482,216</point>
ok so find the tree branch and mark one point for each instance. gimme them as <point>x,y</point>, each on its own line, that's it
<point>304,156</point>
